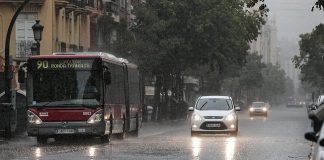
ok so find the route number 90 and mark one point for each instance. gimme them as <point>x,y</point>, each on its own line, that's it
<point>42,64</point>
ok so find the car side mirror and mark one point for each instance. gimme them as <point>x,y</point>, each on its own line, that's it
<point>314,107</point>
<point>107,77</point>
<point>321,143</point>
<point>191,109</point>
<point>21,76</point>
<point>237,108</point>
<point>311,136</point>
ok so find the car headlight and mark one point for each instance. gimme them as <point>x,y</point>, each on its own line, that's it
<point>196,117</point>
<point>264,109</point>
<point>33,118</point>
<point>251,109</point>
<point>96,117</point>
<point>230,117</point>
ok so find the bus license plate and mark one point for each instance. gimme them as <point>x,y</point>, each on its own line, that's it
<point>213,125</point>
<point>65,131</point>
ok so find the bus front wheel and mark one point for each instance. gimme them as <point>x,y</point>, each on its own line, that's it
<point>105,138</point>
<point>135,132</point>
<point>122,135</point>
<point>41,139</point>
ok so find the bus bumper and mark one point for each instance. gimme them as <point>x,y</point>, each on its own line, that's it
<point>52,129</point>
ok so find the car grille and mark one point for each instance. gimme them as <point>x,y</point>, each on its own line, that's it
<point>213,117</point>
<point>222,126</point>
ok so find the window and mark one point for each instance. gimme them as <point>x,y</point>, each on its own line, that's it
<point>24,34</point>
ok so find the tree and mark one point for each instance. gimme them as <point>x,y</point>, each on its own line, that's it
<point>311,57</point>
<point>116,37</point>
<point>319,4</point>
<point>274,83</point>
<point>173,36</point>
<point>251,76</point>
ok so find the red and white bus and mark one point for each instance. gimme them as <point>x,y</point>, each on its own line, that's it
<point>88,93</point>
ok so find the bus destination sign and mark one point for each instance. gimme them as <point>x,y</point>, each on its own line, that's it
<point>63,64</point>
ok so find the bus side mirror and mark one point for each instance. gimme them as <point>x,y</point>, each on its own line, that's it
<point>107,77</point>
<point>21,76</point>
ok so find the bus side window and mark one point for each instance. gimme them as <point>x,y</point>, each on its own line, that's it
<point>107,77</point>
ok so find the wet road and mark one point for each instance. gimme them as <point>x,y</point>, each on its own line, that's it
<point>280,136</point>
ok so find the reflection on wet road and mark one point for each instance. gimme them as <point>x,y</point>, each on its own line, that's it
<point>230,148</point>
<point>196,146</point>
<point>279,136</point>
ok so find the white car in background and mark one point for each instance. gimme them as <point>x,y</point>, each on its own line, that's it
<point>214,114</point>
<point>259,108</point>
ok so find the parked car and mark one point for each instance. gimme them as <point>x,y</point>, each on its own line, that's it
<point>259,108</point>
<point>318,151</point>
<point>316,114</point>
<point>214,114</point>
<point>293,102</point>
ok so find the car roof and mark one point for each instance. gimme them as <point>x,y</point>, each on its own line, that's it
<point>220,97</point>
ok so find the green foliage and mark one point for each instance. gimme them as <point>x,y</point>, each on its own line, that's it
<point>319,4</point>
<point>251,75</point>
<point>116,37</point>
<point>274,82</point>
<point>176,35</point>
<point>311,57</point>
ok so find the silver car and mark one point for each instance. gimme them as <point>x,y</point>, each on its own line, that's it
<point>259,108</point>
<point>214,114</point>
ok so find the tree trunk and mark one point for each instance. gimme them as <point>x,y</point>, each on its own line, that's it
<point>157,91</point>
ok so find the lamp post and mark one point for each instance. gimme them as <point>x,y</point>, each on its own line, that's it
<point>9,113</point>
<point>38,30</point>
<point>7,49</point>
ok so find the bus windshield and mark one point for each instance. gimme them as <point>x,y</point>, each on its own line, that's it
<point>65,88</point>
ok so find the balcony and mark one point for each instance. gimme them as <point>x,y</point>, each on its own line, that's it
<point>20,1</point>
<point>60,4</point>
<point>23,49</point>
<point>79,3</point>
<point>111,7</point>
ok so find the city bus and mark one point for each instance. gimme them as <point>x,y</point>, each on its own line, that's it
<point>90,93</point>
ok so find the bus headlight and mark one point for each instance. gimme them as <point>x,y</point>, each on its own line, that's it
<point>33,118</point>
<point>96,117</point>
<point>251,109</point>
<point>230,117</point>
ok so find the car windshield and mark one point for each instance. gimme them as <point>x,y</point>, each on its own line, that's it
<point>258,104</point>
<point>214,104</point>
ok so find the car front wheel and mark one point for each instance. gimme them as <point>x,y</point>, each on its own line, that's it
<point>234,133</point>
<point>194,133</point>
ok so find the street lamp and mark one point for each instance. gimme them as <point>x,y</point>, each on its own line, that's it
<point>10,115</point>
<point>38,30</point>
<point>7,48</point>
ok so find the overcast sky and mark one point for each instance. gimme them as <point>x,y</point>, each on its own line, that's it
<point>294,17</point>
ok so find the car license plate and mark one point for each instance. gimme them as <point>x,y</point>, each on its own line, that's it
<point>213,125</point>
<point>65,131</point>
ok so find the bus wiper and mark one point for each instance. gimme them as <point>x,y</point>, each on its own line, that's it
<point>203,105</point>
<point>79,105</point>
<point>38,105</point>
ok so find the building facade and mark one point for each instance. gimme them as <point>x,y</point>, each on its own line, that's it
<point>266,43</point>
<point>67,26</point>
